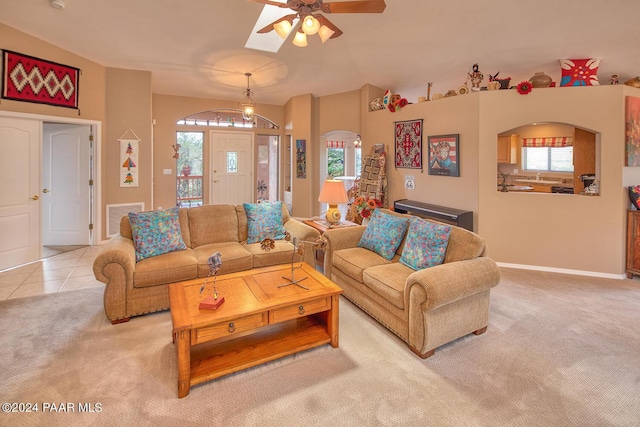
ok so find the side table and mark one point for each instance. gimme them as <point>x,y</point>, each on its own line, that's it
<point>322,226</point>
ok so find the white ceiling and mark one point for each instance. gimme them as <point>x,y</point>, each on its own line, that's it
<point>196,47</point>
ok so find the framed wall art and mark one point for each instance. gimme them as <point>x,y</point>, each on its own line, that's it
<point>128,166</point>
<point>408,144</point>
<point>632,131</point>
<point>444,155</point>
<point>301,158</point>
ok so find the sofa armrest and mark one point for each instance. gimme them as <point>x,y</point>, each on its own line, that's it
<point>340,238</point>
<point>449,282</point>
<point>114,266</point>
<point>303,232</point>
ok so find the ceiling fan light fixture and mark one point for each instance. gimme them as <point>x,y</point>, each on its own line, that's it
<point>325,33</point>
<point>248,105</point>
<point>300,39</point>
<point>283,28</point>
<point>310,25</point>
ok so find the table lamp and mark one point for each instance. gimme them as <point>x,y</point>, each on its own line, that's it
<point>332,193</point>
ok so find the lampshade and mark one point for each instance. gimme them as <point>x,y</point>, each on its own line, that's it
<point>283,28</point>
<point>300,39</point>
<point>310,25</point>
<point>325,33</point>
<point>333,192</point>
<point>248,105</point>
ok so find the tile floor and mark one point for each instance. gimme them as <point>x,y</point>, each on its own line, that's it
<point>64,271</point>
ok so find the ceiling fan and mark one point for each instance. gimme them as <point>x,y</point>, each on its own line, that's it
<point>312,21</point>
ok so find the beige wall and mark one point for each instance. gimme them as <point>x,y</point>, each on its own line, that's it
<point>91,85</point>
<point>167,110</point>
<point>569,233</point>
<point>128,108</point>
<point>299,112</point>
<point>580,233</point>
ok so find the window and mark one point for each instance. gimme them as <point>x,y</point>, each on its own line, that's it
<point>335,161</point>
<point>189,168</point>
<point>548,159</point>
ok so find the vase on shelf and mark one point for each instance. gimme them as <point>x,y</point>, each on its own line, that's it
<point>365,221</point>
<point>540,79</point>
<point>634,195</point>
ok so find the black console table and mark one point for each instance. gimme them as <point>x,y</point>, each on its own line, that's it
<point>453,216</point>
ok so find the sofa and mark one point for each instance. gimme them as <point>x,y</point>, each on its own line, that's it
<point>427,307</point>
<point>135,288</point>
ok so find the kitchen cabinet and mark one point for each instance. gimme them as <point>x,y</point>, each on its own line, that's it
<point>633,242</point>
<point>584,156</point>
<point>508,149</point>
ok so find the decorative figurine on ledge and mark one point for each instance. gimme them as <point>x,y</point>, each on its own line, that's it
<point>476,78</point>
<point>212,302</point>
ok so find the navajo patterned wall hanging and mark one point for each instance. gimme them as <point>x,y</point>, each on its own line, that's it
<point>408,137</point>
<point>25,78</point>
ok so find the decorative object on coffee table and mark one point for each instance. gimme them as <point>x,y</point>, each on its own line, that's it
<point>212,302</point>
<point>298,248</point>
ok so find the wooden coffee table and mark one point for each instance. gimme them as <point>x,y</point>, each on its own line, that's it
<point>259,321</point>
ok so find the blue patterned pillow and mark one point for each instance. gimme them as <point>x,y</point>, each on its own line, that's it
<point>384,233</point>
<point>264,220</point>
<point>426,244</point>
<point>156,233</point>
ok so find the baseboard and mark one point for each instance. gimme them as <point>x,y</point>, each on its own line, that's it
<point>563,271</point>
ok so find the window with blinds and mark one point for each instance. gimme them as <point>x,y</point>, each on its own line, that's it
<point>548,159</point>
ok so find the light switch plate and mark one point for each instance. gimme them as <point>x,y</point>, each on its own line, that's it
<point>167,171</point>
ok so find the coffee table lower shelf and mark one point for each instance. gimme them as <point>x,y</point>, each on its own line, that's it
<point>215,359</point>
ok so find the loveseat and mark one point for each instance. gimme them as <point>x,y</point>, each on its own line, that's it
<point>135,288</point>
<point>427,307</point>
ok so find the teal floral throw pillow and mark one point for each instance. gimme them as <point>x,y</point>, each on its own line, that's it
<point>384,234</point>
<point>156,233</point>
<point>426,244</point>
<point>264,220</point>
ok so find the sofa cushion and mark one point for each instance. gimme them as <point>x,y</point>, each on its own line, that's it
<point>156,233</point>
<point>264,220</point>
<point>125,226</point>
<point>464,244</point>
<point>426,244</point>
<point>234,257</point>
<point>384,233</point>
<point>388,281</point>
<point>353,261</point>
<point>166,268</point>
<point>213,224</point>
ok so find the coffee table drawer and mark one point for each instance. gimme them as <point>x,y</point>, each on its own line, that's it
<point>225,329</point>
<point>299,310</point>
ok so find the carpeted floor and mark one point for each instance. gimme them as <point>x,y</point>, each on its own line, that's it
<point>560,351</point>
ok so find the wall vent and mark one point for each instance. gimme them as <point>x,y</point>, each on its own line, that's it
<point>116,212</point>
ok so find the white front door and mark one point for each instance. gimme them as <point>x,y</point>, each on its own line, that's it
<point>65,184</point>
<point>231,160</point>
<point>20,191</point>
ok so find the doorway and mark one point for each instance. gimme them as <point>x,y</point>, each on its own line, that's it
<point>231,160</point>
<point>22,219</point>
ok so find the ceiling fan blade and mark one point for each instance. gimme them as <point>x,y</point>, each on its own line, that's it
<point>272,3</point>
<point>325,21</point>
<point>364,6</point>
<point>269,27</point>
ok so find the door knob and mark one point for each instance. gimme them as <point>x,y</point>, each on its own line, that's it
<point>45,191</point>
<point>215,180</point>
<point>35,197</point>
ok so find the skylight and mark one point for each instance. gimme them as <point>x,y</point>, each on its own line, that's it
<point>269,42</point>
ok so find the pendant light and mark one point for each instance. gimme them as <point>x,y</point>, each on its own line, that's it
<point>310,25</point>
<point>248,105</point>
<point>300,39</point>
